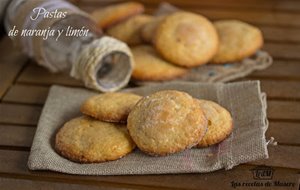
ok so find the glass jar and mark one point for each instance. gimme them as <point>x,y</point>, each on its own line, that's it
<point>70,41</point>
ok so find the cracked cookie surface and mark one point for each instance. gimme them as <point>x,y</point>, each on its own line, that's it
<point>166,122</point>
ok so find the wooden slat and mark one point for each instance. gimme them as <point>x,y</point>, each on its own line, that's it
<point>11,135</point>
<point>34,74</point>
<point>14,163</point>
<point>26,94</point>
<point>280,34</point>
<point>19,114</point>
<point>282,156</point>
<point>11,62</point>
<point>286,110</point>
<point>284,132</point>
<point>283,50</point>
<point>281,89</point>
<point>229,4</point>
<point>284,70</point>
<point>26,184</point>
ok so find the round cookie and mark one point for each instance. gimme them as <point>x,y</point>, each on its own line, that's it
<point>149,66</point>
<point>149,29</point>
<point>110,107</point>
<point>86,140</point>
<point>166,122</point>
<point>129,30</point>
<point>186,39</point>
<point>220,123</point>
<point>238,40</point>
<point>110,15</point>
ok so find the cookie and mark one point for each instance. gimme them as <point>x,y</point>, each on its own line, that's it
<point>220,123</point>
<point>186,39</point>
<point>111,15</point>
<point>110,107</point>
<point>149,29</point>
<point>129,30</point>
<point>149,66</point>
<point>166,122</point>
<point>86,140</point>
<point>238,40</point>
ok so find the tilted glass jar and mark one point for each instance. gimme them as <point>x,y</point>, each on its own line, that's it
<point>101,62</point>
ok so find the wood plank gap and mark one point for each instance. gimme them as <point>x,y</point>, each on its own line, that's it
<point>22,103</point>
<point>15,148</point>
<point>285,120</point>
<point>276,78</point>
<point>275,41</point>
<point>14,79</point>
<point>19,124</point>
<point>284,99</point>
<point>287,144</point>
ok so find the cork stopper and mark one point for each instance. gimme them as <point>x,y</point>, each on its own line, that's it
<point>105,65</point>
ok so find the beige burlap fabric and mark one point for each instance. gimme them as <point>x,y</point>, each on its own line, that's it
<point>244,100</point>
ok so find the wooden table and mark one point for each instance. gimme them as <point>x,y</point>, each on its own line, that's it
<point>24,87</point>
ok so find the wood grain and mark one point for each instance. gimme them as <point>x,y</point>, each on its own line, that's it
<point>278,89</point>
<point>286,110</point>
<point>270,5</point>
<point>13,135</point>
<point>284,132</point>
<point>26,184</point>
<point>280,34</point>
<point>280,69</point>
<point>282,156</point>
<point>26,94</point>
<point>14,163</point>
<point>19,114</point>
<point>283,50</point>
<point>34,74</point>
<point>10,64</point>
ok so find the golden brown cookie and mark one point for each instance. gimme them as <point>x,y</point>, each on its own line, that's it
<point>238,40</point>
<point>149,29</point>
<point>111,15</point>
<point>186,39</point>
<point>86,140</point>
<point>129,30</point>
<point>149,66</point>
<point>220,123</point>
<point>111,107</point>
<point>166,122</point>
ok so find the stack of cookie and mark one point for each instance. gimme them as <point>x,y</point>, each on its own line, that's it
<point>160,124</point>
<point>166,47</point>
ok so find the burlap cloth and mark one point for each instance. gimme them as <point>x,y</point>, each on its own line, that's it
<point>244,100</point>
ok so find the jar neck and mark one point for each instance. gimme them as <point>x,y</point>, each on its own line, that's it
<point>105,65</point>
